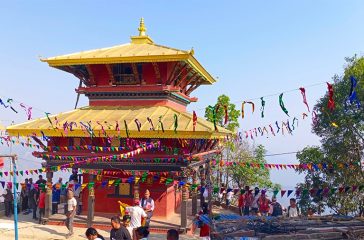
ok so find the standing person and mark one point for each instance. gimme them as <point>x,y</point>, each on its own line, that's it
<point>118,231</point>
<point>41,205</point>
<point>293,210</point>
<point>248,200</point>
<point>77,193</point>
<point>40,180</point>
<point>147,203</point>
<point>8,199</point>
<point>241,202</point>
<point>126,223</point>
<point>33,200</point>
<point>29,186</point>
<point>71,211</point>
<point>204,228</point>
<point>172,234</point>
<point>229,196</point>
<point>255,208</point>
<point>24,196</point>
<point>56,196</point>
<point>136,213</point>
<point>92,234</point>
<point>275,209</point>
<point>263,204</point>
<point>142,233</point>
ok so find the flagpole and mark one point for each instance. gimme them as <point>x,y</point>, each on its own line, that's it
<point>13,158</point>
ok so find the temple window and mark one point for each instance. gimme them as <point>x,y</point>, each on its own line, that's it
<point>124,74</point>
<point>122,190</point>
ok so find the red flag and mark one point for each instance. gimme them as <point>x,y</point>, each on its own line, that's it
<point>1,162</point>
<point>303,92</point>
<point>331,102</point>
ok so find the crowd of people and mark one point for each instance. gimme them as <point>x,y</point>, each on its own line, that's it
<point>256,202</point>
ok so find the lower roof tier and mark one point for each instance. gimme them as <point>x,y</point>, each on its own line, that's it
<point>125,122</point>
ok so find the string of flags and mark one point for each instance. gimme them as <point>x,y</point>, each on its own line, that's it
<point>300,192</point>
<point>308,166</point>
<point>271,129</point>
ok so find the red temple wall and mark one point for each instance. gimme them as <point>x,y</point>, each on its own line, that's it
<point>101,74</point>
<point>165,199</point>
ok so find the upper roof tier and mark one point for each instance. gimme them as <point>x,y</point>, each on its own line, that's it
<point>140,49</point>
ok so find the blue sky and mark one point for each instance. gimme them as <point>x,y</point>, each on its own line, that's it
<point>254,48</point>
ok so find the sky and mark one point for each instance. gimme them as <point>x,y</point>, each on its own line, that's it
<point>253,48</point>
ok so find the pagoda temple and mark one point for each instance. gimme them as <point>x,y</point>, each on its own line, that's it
<point>135,131</point>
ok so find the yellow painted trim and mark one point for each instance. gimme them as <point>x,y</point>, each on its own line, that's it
<point>112,133</point>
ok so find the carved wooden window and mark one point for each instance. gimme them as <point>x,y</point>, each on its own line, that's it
<point>124,74</point>
<point>122,190</point>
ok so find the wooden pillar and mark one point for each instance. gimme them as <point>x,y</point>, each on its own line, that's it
<point>91,202</point>
<point>184,204</point>
<point>48,199</point>
<point>203,183</point>
<point>194,194</point>
<point>209,186</point>
<point>136,191</point>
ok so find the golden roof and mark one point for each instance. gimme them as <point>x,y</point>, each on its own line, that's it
<point>140,49</point>
<point>108,116</point>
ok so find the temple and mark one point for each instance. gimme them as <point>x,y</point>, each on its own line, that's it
<point>135,134</point>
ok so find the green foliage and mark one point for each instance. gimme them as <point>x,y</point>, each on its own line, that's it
<point>233,114</point>
<point>244,175</point>
<point>340,145</point>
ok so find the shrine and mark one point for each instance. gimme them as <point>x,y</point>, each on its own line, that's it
<point>135,134</point>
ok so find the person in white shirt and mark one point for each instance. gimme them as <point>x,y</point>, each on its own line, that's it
<point>293,210</point>
<point>229,196</point>
<point>136,213</point>
<point>71,211</point>
<point>255,210</point>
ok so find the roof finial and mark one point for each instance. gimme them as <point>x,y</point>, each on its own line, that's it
<point>142,28</point>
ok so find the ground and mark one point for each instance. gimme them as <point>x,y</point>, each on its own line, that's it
<point>29,229</point>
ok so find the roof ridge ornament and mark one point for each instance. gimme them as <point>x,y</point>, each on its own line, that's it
<point>142,29</point>
<point>143,38</point>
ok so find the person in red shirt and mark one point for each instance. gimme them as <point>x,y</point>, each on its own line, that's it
<point>263,204</point>
<point>204,227</point>
<point>241,202</point>
<point>41,205</point>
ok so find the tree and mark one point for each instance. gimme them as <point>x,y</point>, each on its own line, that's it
<point>341,133</point>
<point>233,114</point>
<point>238,151</point>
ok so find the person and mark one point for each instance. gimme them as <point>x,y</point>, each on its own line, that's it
<point>204,228</point>
<point>56,197</point>
<point>241,202</point>
<point>263,204</point>
<point>126,223</point>
<point>41,205</point>
<point>118,231</point>
<point>33,196</point>
<point>73,176</point>
<point>147,203</point>
<point>275,209</point>
<point>293,210</point>
<point>310,212</point>
<point>172,234</point>
<point>41,180</point>
<point>136,213</point>
<point>248,200</point>
<point>92,234</point>
<point>77,193</point>
<point>254,207</point>
<point>229,196</point>
<point>24,196</point>
<point>71,211</point>
<point>8,199</point>
<point>142,233</point>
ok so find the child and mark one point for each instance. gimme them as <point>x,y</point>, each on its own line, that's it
<point>71,211</point>
<point>41,205</point>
